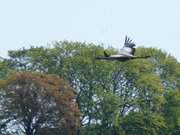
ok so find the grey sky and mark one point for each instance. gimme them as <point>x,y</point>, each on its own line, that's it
<point>38,22</point>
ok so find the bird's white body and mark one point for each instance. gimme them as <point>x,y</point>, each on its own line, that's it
<point>125,50</point>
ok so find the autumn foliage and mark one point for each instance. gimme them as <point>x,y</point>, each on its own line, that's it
<point>37,101</point>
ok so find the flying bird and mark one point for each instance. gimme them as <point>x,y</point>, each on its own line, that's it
<point>126,52</point>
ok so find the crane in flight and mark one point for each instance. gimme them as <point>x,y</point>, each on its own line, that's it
<point>126,52</point>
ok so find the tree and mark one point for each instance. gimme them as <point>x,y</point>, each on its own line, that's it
<point>134,88</point>
<point>75,63</point>
<point>5,69</point>
<point>33,101</point>
<point>143,124</point>
<point>171,112</point>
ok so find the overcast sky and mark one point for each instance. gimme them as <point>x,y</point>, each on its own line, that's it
<point>151,23</point>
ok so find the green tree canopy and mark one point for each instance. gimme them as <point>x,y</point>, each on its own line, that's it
<point>111,93</point>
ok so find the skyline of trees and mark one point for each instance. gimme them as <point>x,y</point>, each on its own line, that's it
<point>138,97</point>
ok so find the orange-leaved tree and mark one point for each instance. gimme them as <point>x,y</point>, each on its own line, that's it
<point>34,102</point>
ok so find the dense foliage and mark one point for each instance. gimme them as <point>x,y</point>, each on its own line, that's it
<point>138,97</point>
<point>31,103</point>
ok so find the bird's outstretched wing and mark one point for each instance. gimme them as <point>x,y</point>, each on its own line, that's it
<point>129,43</point>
